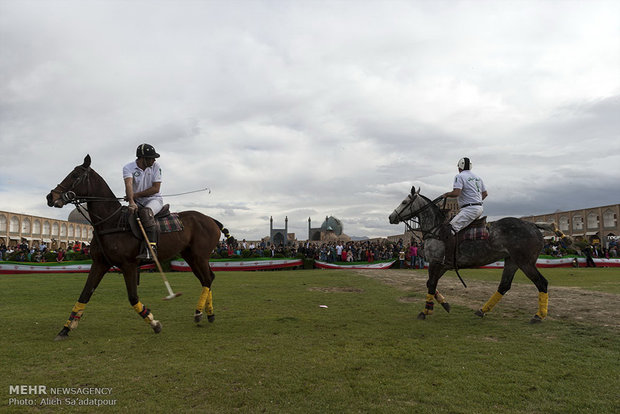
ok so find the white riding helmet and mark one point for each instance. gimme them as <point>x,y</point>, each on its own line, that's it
<point>464,164</point>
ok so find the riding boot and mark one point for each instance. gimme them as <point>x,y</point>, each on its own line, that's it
<point>147,218</point>
<point>145,253</point>
<point>448,237</point>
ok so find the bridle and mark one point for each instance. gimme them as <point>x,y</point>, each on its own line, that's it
<point>431,233</point>
<point>69,196</point>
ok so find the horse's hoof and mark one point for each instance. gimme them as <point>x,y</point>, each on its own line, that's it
<point>421,316</point>
<point>479,313</point>
<point>211,318</point>
<point>62,335</point>
<point>156,325</point>
<point>536,319</point>
<point>446,306</point>
<point>197,317</point>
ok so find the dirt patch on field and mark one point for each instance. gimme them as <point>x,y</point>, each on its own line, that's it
<point>576,304</point>
<point>336,289</point>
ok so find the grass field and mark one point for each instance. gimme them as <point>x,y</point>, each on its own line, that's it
<point>273,349</point>
<point>602,279</point>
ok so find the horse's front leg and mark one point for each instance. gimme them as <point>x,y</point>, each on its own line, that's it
<point>435,271</point>
<point>96,273</point>
<point>442,301</point>
<point>131,282</point>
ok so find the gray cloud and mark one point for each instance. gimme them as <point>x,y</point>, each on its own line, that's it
<point>310,109</point>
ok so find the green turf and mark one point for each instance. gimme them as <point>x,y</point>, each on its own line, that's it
<point>274,349</point>
<point>602,279</point>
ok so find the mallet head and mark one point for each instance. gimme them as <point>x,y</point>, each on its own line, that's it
<point>174,295</point>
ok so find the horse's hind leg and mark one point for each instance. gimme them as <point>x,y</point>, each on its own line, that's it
<point>508,274</point>
<point>96,273</point>
<point>541,283</point>
<point>209,293</point>
<point>203,272</point>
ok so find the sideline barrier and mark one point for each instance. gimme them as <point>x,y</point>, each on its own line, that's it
<point>379,265</point>
<point>559,262</point>
<point>562,262</point>
<point>182,266</point>
<point>62,267</point>
<point>175,265</point>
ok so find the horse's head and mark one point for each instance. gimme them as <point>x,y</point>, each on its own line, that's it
<point>406,208</point>
<point>74,185</point>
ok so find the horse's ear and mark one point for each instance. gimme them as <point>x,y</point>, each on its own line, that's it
<point>86,161</point>
<point>413,190</point>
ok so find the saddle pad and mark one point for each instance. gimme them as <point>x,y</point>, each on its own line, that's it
<point>474,233</point>
<point>170,223</point>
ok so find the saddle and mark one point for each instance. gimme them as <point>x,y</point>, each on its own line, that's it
<point>167,222</point>
<point>476,230</point>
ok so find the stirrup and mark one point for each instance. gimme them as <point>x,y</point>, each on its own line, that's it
<point>146,254</point>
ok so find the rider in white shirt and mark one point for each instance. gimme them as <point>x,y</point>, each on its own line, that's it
<point>142,184</point>
<point>469,190</point>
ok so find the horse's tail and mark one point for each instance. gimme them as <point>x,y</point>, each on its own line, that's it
<point>229,239</point>
<point>552,227</point>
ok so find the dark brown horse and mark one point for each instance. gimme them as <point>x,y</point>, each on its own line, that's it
<point>515,241</point>
<point>114,246</point>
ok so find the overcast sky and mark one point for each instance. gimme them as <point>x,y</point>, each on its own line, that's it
<point>314,108</point>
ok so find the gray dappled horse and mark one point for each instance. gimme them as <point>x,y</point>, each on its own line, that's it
<point>515,241</point>
<point>115,245</point>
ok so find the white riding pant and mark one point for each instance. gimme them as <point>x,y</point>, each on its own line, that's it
<point>465,216</point>
<point>155,204</point>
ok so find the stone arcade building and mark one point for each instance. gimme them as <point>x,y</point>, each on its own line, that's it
<point>15,227</point>
<point>597,225</point>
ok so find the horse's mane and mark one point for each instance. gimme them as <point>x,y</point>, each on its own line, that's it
<point>104,185</point>
<point>438,214</point>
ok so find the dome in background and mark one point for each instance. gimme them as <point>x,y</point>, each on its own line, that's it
<point>76,217</point>
<point>331,223</point>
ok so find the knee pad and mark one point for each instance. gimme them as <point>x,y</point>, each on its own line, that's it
<point>147,217</point>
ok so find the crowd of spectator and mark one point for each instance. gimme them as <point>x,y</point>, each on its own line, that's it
<point>329,252</point>
<point>408,255</point>
<point>42,253</point>
<point>581,248</point>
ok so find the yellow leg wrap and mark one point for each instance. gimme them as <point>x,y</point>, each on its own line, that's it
<point>428,308</point>
<point>76,315</point>
<point>144,312</point>
<point>209,305</point>
<point>440,298</point>
<point>543,301</point>
<point>203,299</point>
<point>492,302</point>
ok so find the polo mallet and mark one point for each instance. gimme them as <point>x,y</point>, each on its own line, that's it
<point>171,295</point>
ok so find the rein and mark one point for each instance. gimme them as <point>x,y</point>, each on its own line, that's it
<point>417,212</point>
<point>69,197</point>
<point>431,232</point>
<point>83,199</point>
